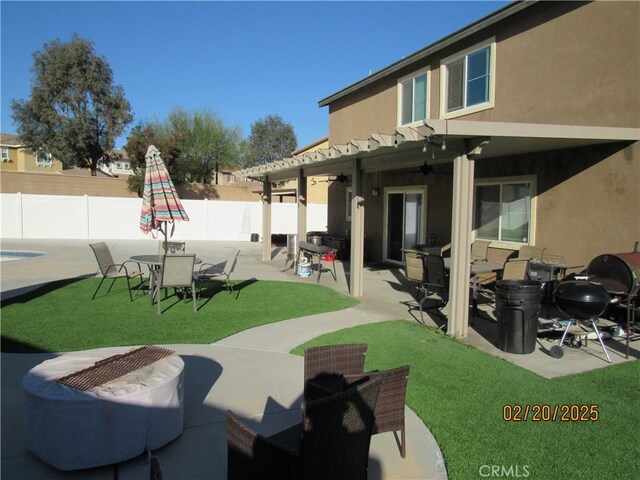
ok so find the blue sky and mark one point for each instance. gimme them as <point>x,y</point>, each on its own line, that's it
<point>243,60</point>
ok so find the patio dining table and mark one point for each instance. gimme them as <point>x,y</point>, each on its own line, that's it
<point>154,262</point>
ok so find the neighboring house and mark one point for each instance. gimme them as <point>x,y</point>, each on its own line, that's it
<point>522,128</point>
<point>119,165</point>
<point>16,157</point>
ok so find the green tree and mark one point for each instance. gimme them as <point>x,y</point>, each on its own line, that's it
<point>75,112</point>
<point>138,141</point>
<point>271,139</point>
<point>206,144</point>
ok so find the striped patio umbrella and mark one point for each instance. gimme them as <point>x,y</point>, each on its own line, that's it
<point>160,203</point>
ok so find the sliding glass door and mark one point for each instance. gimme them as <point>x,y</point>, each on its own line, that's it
<point>405,221</point>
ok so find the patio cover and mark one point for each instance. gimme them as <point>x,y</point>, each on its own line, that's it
<point>465,141</point>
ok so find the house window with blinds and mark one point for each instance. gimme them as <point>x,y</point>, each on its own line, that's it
<point>468,78</point>
<point>503,210</point>
<point>412,98</point>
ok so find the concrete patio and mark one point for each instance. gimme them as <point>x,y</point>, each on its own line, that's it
<point>216,376</point>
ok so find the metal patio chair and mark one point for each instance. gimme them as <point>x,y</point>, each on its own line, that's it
<point>209,271</point>
<point>112,270</point>
<point>177,272</point>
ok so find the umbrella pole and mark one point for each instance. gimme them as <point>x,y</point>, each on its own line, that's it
<point>165,236</point>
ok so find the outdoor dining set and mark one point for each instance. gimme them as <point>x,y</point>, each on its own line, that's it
<point>171,267</point>
<point>517,283</point>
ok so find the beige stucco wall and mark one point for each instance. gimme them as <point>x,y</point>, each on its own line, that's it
<point>47,184</point>
<point>562,63</point>
<point>588,200</point>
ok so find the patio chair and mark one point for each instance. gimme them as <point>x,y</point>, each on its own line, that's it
<point>332,441</point>
<point>479,250</point>
<point>436,282</point>
<point>112,270</point>
<point>415,272</point>
<point>177,273</point>
<point>209,271</point>
<point>326,364</point>
<point>515,269</point>
<point>529,252</point>
<point>171,247</point>
<point>389,411</point>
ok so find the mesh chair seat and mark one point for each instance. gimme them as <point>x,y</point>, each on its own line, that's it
<point>210,271</point>
<point>177,272</point>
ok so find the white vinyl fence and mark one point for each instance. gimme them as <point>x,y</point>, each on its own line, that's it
<point>58,216</point>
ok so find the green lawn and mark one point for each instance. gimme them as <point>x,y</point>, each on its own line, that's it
<point>459,392</point>
<point>66,319</point>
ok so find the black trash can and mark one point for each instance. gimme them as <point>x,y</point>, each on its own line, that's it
<point>517,308</point>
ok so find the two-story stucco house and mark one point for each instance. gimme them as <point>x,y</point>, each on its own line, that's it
<point>522,128</point>
<point>16,158</point>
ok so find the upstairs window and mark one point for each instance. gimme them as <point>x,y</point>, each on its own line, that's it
<point>43,158</point>
<point>5,154</point>
<point>412,98</point>
<point>468,79</point>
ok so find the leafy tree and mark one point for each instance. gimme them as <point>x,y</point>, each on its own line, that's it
<point>271,139</point>
<point>207,144</point>
<point>75,111</point>
<point>138,141</point>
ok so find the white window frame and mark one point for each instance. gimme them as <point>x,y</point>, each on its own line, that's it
<point>5,154</point>
<point>530,179</point>
<point>407,189</point>
<point>412,76</point>
<point>47,163</point>
<point>444,85</point>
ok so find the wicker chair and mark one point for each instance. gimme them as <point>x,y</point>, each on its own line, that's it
<point>389,411</point>
<point>110,269</point>
<point>325,365</point>
<point>332,441</point>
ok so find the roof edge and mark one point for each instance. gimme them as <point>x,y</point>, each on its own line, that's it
<point>450,39</point>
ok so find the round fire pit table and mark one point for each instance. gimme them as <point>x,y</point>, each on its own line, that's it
<point>72,429</point>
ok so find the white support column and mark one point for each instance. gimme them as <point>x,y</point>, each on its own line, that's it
<point>357,231</point>
<point>463,168</point>
<point>302,207</point>
<point>266,220</point>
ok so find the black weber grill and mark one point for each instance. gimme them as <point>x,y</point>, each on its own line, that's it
<point>583,302</point>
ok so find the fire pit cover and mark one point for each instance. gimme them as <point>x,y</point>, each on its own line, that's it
<point>581,299</point>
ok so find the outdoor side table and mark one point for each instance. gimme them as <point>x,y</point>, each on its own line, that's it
<point>121,419</point>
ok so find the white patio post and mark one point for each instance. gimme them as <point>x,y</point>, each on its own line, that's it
<point>356,263</point>
<point>461,224</point>
<point>266,220</point>
<point>302,207</point>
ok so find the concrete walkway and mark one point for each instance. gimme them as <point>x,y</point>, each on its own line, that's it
<point>251,373</point>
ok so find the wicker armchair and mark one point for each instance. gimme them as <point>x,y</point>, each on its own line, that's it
<point>389,411</point>
<point>332,442</point>
<point>325,365</point>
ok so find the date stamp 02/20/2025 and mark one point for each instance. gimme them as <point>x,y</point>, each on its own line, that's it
<point>550,413</point>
